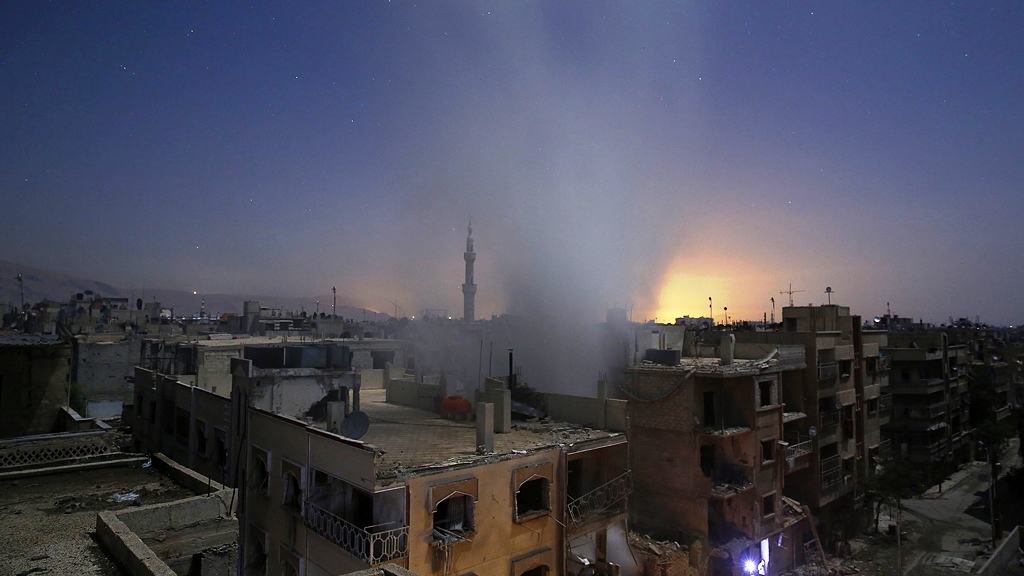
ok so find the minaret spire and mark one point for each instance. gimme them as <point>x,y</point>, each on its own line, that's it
<point>469,288</point>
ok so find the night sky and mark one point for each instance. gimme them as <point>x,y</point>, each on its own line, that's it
<point>632,154</point>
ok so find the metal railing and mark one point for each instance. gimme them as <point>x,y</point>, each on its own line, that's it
<point>599,499</point>
<point>885,446</point>
<point>831,471</point>
<point>829,419</point>
<point>885,403</point>
<point>828,370</point>
<point>884,363</point>
<point>372,544</point>
<point>799,444</point>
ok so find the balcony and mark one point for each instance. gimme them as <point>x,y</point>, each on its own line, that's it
<point>373,545</point>
<point>799,444</point>
<point>828,370</point>
<point>920,412</point>
<point>829,419</point>
<point>884,447</point>
<point>831,471</point>
<point>1002,412</point>
<point>599,500</point>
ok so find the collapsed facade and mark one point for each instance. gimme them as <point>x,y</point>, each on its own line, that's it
<point>709,456</point>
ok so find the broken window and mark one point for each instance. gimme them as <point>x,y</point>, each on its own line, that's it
<point>259,471</point>
<point>292,476</point>
<point>532,486</point>
<point>764,394</point>
<point>574,479</point>
<point>201,444</point>
<point>256,552</point>
<point>768,505</point>
<point>454,515</point>
<point>167,417</point>
<point>846,368</point>
<point>452,508</point>
<point>532,498</point>
<point>767,451</point>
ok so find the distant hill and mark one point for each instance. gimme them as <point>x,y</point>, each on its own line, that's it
<point>45,284</point>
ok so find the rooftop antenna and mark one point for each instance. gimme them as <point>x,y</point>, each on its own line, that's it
<point>334,307</point>
<point>790,292</point>
<point>888,311</point>
<point>711,308</point>
<point>397,307</point>
<point>828,290</point>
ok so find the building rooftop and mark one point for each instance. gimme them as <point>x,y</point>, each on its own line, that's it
<point>409,441</point>
<point>19,339</point>
<point>713,366</point>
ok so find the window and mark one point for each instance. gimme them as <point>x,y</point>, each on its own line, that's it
<point>536,563</point>
<point>201,443</point>
<point>259,470</point>
<point>532,490</point>
<point>152,411</point>
<point>767,450</point>
<point>452,508</point>
<point>292,476</point>
<point>532,498</point>
<point>291,563</point>
<point>138,407</point>
<point>454,514</point>
<point>221,449</point>
<point>768,505</point>
<point>764,394</point>
<point>709,408</point>
<point>845,368</point>
<point>181,428</point>
<point>538,571</point>
<point>256,552</point>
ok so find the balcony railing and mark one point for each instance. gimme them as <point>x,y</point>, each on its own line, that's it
<point>799,445</point>
<point>828,370</point>
<point>1002,412</point>
<point>884,447</point>
<point>831,471</point>
<point>599,499</point>
<point>884,363</point>
<point>829,419</point>
<point>373,544</point>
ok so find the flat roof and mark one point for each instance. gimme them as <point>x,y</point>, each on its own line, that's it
<point>410,441</point>
<point>713,366</point>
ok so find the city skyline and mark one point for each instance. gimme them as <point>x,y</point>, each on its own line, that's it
<point>648,156</point>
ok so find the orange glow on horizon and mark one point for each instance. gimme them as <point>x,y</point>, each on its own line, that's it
<point>740,286</point>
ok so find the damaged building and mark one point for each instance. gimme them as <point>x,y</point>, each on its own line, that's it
<point>710,459</point>
<point>436,496</point>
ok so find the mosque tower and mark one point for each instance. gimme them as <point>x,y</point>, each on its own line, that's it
<point>469,288</point>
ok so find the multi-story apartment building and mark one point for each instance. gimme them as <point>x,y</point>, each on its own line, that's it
<point>710,458</point>
<point>930,423</point>
<point>433,495</point>
<point>837,403</point>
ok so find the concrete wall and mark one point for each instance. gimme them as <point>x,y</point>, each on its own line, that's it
<point>103,367</point>
<point>121,533</point>
<point>36,382</point>
<point>498,538</point>
<point>1003,556</point>
<point>607,414</point>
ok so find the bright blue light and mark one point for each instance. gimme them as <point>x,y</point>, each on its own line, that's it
<point>750,566</point>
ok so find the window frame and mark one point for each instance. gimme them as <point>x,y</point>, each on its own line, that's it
<point>543,472</point>
<point>254,453</point>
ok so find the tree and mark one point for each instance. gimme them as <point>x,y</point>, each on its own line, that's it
<point>896,481</point>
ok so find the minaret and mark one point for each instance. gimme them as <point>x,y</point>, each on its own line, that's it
<point>469,289</point>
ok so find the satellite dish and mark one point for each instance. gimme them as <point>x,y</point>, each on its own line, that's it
<point>839,404</point>
<point>355,425</point>
<point>812,432</point>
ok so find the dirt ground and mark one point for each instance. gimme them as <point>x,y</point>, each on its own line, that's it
<point>47,523</point>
